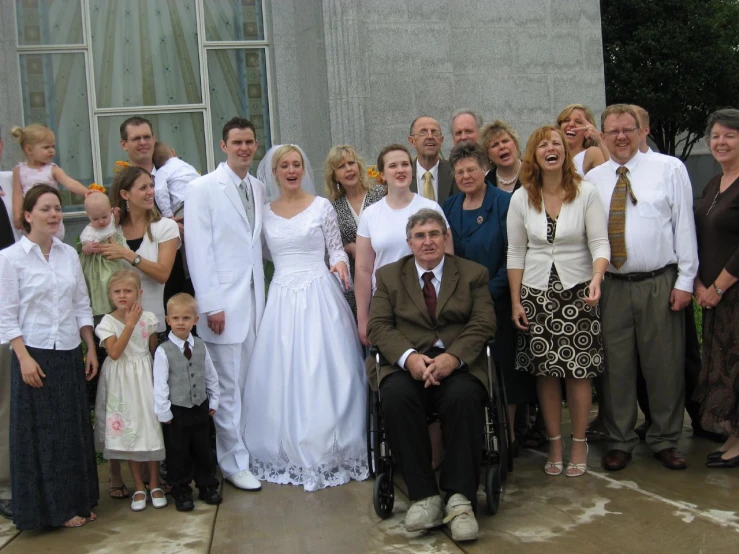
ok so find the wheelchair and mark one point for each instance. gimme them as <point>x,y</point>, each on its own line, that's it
<point>497,457</point>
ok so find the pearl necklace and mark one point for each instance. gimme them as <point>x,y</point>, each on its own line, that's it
<point>510,181</point>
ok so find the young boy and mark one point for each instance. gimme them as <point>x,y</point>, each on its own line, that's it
<point>171,180</point>
<point>186,395</point>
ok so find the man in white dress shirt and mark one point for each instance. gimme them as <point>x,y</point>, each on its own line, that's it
<point>654,260</point>
<point>465,125</point>
<point>223,222</point>
<point>692,345</point>
<point>432,176</point>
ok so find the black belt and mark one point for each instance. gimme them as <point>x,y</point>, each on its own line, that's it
<point>634,277</point>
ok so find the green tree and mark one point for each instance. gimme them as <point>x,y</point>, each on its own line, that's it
<point>679,59</point>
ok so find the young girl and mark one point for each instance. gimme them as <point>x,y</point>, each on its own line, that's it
<point>96,269</point>
<point>38,145</point>
<point>126,427</point>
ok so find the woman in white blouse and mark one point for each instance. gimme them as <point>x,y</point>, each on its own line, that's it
<point>44,312</point>
<point>152,245</point>
<point>381,230</point>
<point>558,250</point>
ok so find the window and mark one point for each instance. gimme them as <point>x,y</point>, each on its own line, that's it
<point>188,66</point>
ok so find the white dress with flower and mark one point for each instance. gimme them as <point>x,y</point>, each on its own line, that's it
<point>304,399</point>
<point>126,427</point>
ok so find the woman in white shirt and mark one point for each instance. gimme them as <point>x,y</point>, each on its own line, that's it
<point>558,251</point>
<point>152,243</point>
<point>44,312</point>
<point>587,147</point>
<point>381,231</point>
<point>152,240</point>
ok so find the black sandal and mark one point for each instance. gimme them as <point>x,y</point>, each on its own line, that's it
<point>122,489</point>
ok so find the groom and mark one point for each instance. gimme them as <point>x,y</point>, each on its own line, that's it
<point>223,223</point>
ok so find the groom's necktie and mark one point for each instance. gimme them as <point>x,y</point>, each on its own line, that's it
<point>248,202</point>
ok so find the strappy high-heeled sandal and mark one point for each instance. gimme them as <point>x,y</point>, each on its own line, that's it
<point>554,468</point>
<point>580,469</point>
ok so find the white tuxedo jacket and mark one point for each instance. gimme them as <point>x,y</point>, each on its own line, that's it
<point>224,255</point>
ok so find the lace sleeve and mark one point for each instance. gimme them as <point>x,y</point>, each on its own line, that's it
<point>332,235</point>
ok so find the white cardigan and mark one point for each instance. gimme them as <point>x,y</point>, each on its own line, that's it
<point>581,237</point>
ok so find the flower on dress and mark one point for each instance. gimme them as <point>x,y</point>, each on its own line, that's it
<point>116,425</point>
<point>144,335</point>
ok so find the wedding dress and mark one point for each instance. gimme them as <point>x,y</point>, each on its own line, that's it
<point>305,395</point>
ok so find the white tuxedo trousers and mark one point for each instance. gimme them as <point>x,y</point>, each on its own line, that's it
<point>232,362</point>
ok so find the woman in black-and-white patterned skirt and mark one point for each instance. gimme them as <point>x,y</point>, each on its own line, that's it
<point>558,252</point>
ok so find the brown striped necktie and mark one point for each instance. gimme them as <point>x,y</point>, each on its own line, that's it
<point>617,217</point>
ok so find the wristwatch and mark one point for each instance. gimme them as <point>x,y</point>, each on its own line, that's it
<point>719,291</point>
<point>136,261</point>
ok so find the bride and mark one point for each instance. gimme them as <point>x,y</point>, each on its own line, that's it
<point>304,397</point>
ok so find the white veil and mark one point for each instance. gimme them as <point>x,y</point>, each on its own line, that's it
<point>264,174</point>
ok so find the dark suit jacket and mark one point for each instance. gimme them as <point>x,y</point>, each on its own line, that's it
<point>447,184</point>
<point>399,320</point>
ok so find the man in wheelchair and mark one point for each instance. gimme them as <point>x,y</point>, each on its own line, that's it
<point>430,318</point>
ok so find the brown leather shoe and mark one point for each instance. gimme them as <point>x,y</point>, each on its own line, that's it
<point>671,458</point>
<point>616,460</point>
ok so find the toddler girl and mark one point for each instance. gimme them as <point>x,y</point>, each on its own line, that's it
<point>39,147</point>
<point>126,427</point>
<point>96,269</point>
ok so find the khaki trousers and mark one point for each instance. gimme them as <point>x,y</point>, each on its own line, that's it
<point>638,324</point>
<point>5,487</point>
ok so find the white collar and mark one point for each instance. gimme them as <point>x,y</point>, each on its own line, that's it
<point>178,342</point>
<point>27,244</point>
<point>235,179</point>
<point>438,271</point>
<point>631,164</point>
<point>420,170</point>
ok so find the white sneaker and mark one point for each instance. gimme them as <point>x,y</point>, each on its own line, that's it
<point>244,480</point>
<point>461,519</point>
<point>425,514</point>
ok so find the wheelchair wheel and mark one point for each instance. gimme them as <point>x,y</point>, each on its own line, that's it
<point>371,430</point>
<point>493,488</point>
<point>384,495</point>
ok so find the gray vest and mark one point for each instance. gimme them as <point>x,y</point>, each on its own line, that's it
<point>186,377</point>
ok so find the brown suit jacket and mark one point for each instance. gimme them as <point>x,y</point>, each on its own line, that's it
<point>447,184</point>
<point>399,320</point>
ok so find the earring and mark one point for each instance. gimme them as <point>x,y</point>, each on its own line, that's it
<point>127,208</point>
<point>338,186</point>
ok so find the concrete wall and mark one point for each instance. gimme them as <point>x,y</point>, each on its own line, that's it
<point>391,60</point>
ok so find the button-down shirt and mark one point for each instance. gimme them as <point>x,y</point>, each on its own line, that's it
<point>170,185</point>
<point>420,170</point>
<point>438,271</point>
<point>45,303</point>
<point>162,405</point>
<point>660,229</point>
<point>236,180</point>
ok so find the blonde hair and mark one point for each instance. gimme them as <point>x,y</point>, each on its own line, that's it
<point>30,135</point>
<point>564,114</point>
<point>492,130</point>
<point>531,177</point>
<point>283,151</point>
<point>183,300</point>
<point>336,155</point>
<point>125,275</point>
<point>96,198</point>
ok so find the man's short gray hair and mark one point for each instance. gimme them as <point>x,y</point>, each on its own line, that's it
<point>424,216</point>
<point>476,116</point>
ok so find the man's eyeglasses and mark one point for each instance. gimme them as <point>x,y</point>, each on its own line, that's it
<point>433,235</point>
<point>426,132</point>
<point>615,133</point>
